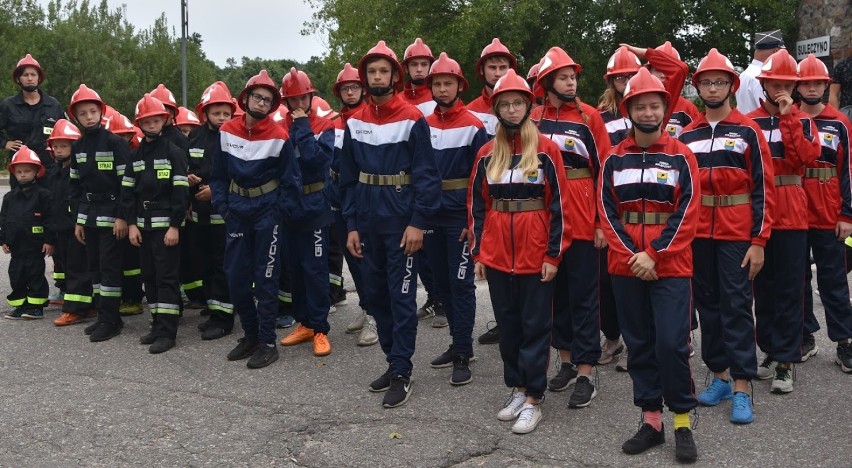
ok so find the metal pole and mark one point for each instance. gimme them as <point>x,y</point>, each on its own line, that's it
<point>184,21</point>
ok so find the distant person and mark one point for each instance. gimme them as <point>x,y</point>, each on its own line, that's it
<point>751,92</point>
<point>840,90</point>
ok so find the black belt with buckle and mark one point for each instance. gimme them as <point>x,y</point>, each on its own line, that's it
<point>154,205</point>
<point>99,197</point>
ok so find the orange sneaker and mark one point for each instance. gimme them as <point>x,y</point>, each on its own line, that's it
<point>300,335</point>
<point>322,347</point>
<point>67,318</point>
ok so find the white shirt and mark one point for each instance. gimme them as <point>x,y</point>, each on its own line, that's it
<point>750,92</point>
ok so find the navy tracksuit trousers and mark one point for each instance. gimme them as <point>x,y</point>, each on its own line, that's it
<point>306,259</point>
<point>722,293</point>
<point>609,318</point>
<point>576,316</point>
<point>253,255</point>
<point>523,308</point>
<point>353,263</point>
<point>830,258</point>
<point>779,296</point>
<point>452,276</point>
<point>655,321</point>
<point>390,294</point>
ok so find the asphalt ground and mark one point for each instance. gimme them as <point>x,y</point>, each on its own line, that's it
<point>69,402</point>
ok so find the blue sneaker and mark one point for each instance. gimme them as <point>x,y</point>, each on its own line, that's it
<point>285,321</point>
<point>15,314</point>
<point>741,409</point>
<point>35,313</point>
<point>717,391</point>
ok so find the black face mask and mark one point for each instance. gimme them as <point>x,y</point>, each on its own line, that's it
<point>562,97</point>
<point>715,105</point>
<point>490,85</point>
<point>257,115</point>
<point>378,91</point>
<point>418,82</point>
<point>811,101</point>
<point>62,160</point>
<point>152,135</point>
<point>29,88</point>
<point>646,128</point>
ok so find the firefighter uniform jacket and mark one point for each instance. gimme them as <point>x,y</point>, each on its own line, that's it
<point>683,114</point>
<point>58,181</point>
<point>339,122</point>
<point>616,126</point>
<point>99,160</point>
<point>828,180</point>
<point>457,137</point>
<point>737,185</point>
<point>313,141</point>
<point>29,124</point>
<point>581,143</point>
<point>792,139</point>
<point>155,189</point>
<point>420,97</point>
<point>26,219</point>
<point>202,145</point>
<point>519,241</point>
<point>481,108</point>
<point>649,202</point>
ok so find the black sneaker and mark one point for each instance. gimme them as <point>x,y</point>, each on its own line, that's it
<point>645,438</point>
<point>427,310</point>
<point>203,325</point>
<point>161,345</point>
<point>382,383</point>
<point>244,349</point>
<point>263,356</point>
<point>214,332</point>
<point>91,328</point>
<point>492,336</point>
<point>399,391</point>
<point>104,331</point>
<point>844,357</point>
<point>148,339</point>
<point>583,394</point>
<point>685,450</point>
<point>566,377</point>
<point>809,346</point>
<point>461,370</point>
<point>445,359</point>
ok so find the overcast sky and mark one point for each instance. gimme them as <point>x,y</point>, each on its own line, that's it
<point>255,28</point>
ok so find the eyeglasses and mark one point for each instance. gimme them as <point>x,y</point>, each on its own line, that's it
<point>258,99</point>
<point>350,88</point>
<point>516,105</point>
<point>719,84</point>
<point>621,78</point>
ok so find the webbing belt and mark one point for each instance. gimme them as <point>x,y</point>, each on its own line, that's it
<point>725,200</point>
<point>514,206</point>
<point>636,217</point>
<point>254,191</point>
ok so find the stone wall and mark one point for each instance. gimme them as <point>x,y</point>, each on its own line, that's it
<point>826,18</point>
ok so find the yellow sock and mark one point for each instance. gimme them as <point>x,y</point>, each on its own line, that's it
<point>681,420</point>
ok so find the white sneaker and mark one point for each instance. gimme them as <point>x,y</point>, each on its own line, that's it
<point>512,407</point>
<point>528,419</point>
<point>766,369</point>
<point>622,362</point>
<point>368,336</point>
<point>783,381</point>
<point>357,323</point>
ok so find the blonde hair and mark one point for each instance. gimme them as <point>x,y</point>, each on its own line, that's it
<point>501,155</point>
<point>610,100</point>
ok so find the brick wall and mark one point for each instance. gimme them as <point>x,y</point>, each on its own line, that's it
<point>827,18</point>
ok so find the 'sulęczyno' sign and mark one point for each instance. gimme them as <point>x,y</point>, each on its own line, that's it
<point>819,46</point>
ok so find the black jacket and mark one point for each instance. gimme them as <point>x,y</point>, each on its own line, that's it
<point>98,163</point>
<point>155,190</point>
<point>30,124</point>
<point>58,181</point>
<point>26,221</point>
<point>202,145</point>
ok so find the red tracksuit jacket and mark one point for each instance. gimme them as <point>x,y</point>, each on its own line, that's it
<point>830,201</point>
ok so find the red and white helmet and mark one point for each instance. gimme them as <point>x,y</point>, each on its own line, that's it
<point>511,81</point>
<point>715,61</point>
<point>85,94</point>
<point>296,83</point>
<point>553,60</point>
<point>165,96</point>
<point>63,130</point>
<point>495,49</point>
<point>447,66</point>
<point>321,108</point>
<point>348,75</point>
<point>121,125</point>
<point>780,66</point>
<point>187,117</point>
<point>622,62</point>
<point>643,83</point>
<point>532,75</point>
<point>27,61</point>
<point>109,114</point>
<point>417,50</point>
<point>813,69</point>
<point>25,155</point>
<point>261,80</point>
<point>380,50</point>
<point>149,106</point>
<point>216,93</point>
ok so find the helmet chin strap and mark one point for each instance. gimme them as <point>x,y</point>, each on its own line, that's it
<point>562,97</point>
<point>446,104</point>
<point>811,101</point>
<point>646,128</point>
<point>768,99</point>
<point>378,91</point>
<point>515,126</point>
<point>713,104</point>
<point>418,82</point>
<point>257,115</point>
<point>29,88</point>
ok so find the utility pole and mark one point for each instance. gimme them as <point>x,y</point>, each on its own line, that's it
<point>184,27</point>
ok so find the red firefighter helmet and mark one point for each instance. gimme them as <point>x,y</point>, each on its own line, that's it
<point>149,106</point>
<point>261,80</point>
<point>25,155</point>
<point>715,61</point>
<point>532,75</point>
<point>85,94</point>
<point>622,62</point>
<point>813,69</point>
<point>63,130</point>
<point>417,50</point>
<point>553,60</point>
<point>779,66</point>
<point>643,83</point>
<point>108,115</point>
<point>321,108</point>
<point>511,81</point>
<point>296,83</point>
<point>27,61</point>
<point>669,50</point>
<point>165,96</point>
<point>121,125</point>
<point>238,111</point>
<point>380,50</point>
<point>447,66</point>
<point>187,117</point>
<point>495,49</point>
<point>348,75</point>
<point>216,93</point>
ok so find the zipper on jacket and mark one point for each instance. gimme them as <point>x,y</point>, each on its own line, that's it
<point>512,214</point>
<point>642,182</point>
<point>712,189</point>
